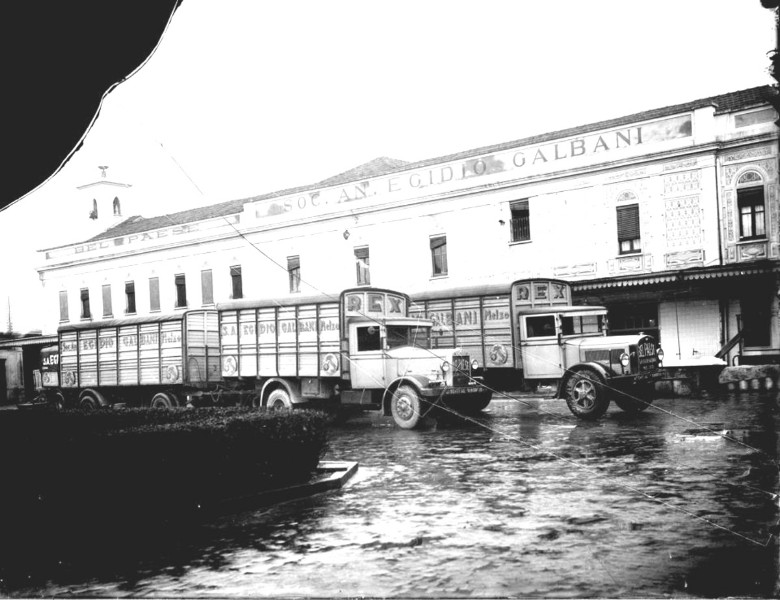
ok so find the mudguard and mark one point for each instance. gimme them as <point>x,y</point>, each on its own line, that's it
<point>98,396</point>
<point>605,374</point>
<point>293,388</point>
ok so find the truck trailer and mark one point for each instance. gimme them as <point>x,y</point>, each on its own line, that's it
<point>530,333</point>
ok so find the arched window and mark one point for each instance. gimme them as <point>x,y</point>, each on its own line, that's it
<point>751,207</point>
<point>117,208</point>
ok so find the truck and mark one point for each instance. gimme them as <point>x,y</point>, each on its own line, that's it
<point>158,361</point>
<point>362,349</point>
<point>529,333</point>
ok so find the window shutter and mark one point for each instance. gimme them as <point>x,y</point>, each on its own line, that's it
<point>438,242</point>
<point>628,222</point>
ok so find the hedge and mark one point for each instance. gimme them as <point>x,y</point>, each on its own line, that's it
<point>72,472</point>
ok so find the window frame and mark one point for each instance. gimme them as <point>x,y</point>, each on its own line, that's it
<point>294,273</point>
<point>64,309</point>
<point>746,193</point>
<point>362,266</point>
<point>180,281</point>
<point>130,303</point>
<point>107,304</point>
<point>519,232</point>
<point>86,312</point>
<point>206,287</point>
<point>438,244</point>
<point>154,294</point>
<point>236,288</point>
<point>623,236</point>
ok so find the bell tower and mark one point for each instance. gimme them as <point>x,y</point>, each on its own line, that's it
<point>104,202</point>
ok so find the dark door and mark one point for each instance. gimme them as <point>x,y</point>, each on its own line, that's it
<point>3,383</point>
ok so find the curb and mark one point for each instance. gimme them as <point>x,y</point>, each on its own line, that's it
<point>330,475</point>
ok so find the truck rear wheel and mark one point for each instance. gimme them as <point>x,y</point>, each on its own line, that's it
<point>586,395</point>
<point>405,407</point>
<point>279,399</point>
<point>163,400</point>
<point>89,402</point>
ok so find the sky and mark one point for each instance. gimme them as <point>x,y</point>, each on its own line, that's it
<point>244,97</point>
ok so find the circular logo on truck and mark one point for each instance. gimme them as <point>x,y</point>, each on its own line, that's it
<point>330,364</point>
<point>229,365</point>
<point>172,373</point>
<point>498,354</point>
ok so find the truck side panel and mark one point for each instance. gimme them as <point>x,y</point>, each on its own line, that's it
<point>479,325</point>
<point>107,356</point>
<point>128,355</point>
<point>202,347</point>
<point>281,341</point>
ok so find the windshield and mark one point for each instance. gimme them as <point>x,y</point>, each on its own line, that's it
<point>580,324</point>
<point>408,335</point>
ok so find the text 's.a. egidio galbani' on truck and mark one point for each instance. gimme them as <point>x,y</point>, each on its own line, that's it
<point>361,349</point>
<point>529,333</point>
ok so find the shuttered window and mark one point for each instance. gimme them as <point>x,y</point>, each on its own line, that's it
<point>439,255</point>
<point>64,317</point>
<point>107,300</point>
<point>521,221</point>
<point>206,287</point>
<point>154,294</point>
<point>629,238</point>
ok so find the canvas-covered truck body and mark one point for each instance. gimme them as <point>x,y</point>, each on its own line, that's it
<point>534,335</point>
<point>362,349</point>
<point>150,361</point>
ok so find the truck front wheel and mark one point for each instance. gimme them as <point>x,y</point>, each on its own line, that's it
<point>279,399</point>
<point>163,400</point>
<point>586,394</point>
<point>405,407</point>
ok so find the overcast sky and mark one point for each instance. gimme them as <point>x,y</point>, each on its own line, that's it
<point>243,97</point>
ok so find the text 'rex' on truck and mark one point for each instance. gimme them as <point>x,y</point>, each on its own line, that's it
<point>362,349</point>
<point>532,330</point>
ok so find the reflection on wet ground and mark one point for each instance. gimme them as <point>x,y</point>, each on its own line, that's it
<point>524,500</point>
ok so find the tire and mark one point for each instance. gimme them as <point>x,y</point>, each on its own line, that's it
<point>58,402</point>
<point>405,407</point>
<point>89,402</point>
<point>163,400</point>
<point>586,395</point>
<point>279,399</point>
<point>635,402</point>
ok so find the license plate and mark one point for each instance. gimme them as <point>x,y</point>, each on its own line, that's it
<point>462,390</point>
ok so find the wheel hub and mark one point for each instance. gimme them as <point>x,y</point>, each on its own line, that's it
<point>404,408</point>
<point>584,393</point>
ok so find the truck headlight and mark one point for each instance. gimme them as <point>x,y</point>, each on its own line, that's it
<point>625,359</point>
<point>445,366</point>
<point>474,365</point>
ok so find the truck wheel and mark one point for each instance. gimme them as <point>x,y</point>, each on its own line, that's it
<point>279,399</point>
<point>637,402</point>
<point>405,407</point>
<point>89,402</point>
<point>58,402</point>
<point>163,400</point>
<point>586,394</point>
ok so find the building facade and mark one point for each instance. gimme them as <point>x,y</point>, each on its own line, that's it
<point>669,217</point>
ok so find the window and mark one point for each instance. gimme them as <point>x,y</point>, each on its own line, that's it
<point>85,312</point>
<point>117,208</point>
<point>64,306</point>
<point>181,291</point>
<point>540,326</point>
<point>750,203</point>
<point>206,287</point>
<point>154,294</point>
<point>93,213</point>
<point>107,300</point>
<point>294,271</point>
<point>368,338</point>
<point>521,221</point>
<point>130,297</point>
<point>361,266</point>
<point>629,240</point>
<point>238,286</point>
<point>404,335</point>
<point>439,255</point>
<point>582,324</point>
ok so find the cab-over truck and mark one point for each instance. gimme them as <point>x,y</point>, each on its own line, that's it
<point>532,334</point>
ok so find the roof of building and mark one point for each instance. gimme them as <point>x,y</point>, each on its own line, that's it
<point>723,103</point>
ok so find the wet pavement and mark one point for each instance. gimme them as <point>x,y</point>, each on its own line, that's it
<point>522,501</point>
